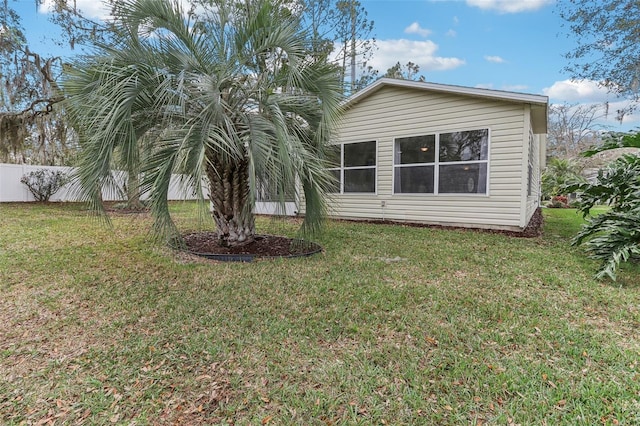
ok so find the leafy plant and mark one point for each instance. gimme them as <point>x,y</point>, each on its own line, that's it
<point>613,236</point>
<point>43,183</point>
<point>614,140</point>
<point>560,173</point>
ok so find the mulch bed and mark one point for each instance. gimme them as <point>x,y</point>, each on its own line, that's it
<point>206,243</point>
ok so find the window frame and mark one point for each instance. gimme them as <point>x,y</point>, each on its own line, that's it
<point>341,169</point>
<point>437,163</point>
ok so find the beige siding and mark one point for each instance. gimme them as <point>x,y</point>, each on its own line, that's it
<point>393,112</point>
<point>533,201</point>
<point>396,112</point>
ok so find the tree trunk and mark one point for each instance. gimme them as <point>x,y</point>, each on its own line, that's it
<point>354,17</point>
<point>133,191</point>
<point>229,194</point>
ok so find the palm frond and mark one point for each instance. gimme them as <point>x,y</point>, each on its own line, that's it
<point>176,96</point>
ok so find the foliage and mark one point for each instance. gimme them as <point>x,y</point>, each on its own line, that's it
<point>607,43</point>
<point>43,183</point>
<point>560,173</point>
<point>410,71</point>
<point>613,236</point>
<point>33,126</point>
<point>230,95</point>
<point>614,140</point>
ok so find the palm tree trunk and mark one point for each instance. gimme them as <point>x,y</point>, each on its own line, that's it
<point>133,191</point>
<point>229,194</point>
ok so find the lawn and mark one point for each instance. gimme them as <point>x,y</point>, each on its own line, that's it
<point>390,325</point>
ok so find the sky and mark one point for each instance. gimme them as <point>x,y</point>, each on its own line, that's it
<point>513,45</point>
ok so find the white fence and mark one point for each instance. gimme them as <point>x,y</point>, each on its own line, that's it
<point>12,190</point>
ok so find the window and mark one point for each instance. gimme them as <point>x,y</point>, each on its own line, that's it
<point>354,167</point>
<point>444,163</point>
<point>415,160</point>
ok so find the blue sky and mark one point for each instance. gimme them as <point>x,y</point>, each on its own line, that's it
<point>455,42</point>
<point>515,45</point>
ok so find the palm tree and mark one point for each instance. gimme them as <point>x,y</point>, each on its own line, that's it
<point>230,95</point>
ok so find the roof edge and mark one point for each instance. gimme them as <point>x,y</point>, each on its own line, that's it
<point>446,88</point>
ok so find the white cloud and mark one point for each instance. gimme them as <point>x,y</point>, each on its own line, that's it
<point>422,53</point>
<point>577,91</point>
<point>415,28</point>
<point>494,59</point>
<point>589,92</point>
<point>451,33</point>
<point>509,6</point>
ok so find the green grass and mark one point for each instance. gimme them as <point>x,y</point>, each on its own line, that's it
<point>390,325</point>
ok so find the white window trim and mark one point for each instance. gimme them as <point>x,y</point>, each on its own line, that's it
<point>342,169</point>
<point>437,163</point>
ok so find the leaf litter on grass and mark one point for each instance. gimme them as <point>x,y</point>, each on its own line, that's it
<point>510,331</point>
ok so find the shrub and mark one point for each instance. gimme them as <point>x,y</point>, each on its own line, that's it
<point>614,236</point>
<point>43,183</point>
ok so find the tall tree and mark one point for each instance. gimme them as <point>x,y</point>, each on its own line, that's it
<point>608,50</point>
<point>31,124</point>
<point>342,30</point>
<point>319,16</point>
<point>410,71</point>
<point>354,33</point>
<point>31,119</point>
<point>574,128</point>
<point>230,94</point>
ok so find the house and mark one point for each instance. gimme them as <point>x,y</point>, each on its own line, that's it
<point>439,154</point>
